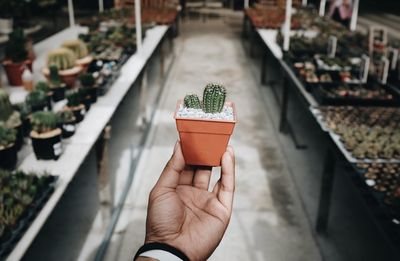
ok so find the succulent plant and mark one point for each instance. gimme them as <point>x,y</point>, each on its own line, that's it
<point>44,121</point>
<point>42,86</point>
<point>36,98</point>
<point>6,108</point>
<point>54,78</point>
<point>15,49</point>
<point>7,136</point>
<point>78,47</point>
<point>74,99</point>
<point>62,58</point>
<point>192,101</point>
<point>87,80</point>
<point>214,98</point>
<point>66,116</point>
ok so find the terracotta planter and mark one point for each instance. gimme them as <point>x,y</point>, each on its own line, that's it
<point>84,62</point>
<point>67,76</point>
<point>204,141</point>
<point>14,71</point>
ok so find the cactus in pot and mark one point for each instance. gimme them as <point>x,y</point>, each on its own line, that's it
<point>57,87</point>
<point>8,149</point>
<point>75,104</point>
<point>65,61</point>
<point>46,135</point>
<point>205,128</point>
<point>11,117</point>
<point>67,122</point>
<point>89,88</point>
<point>79,48</point>
<point>37,100</point>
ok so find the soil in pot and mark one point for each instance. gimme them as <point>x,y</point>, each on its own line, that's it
<point>47,146</point>
<point>8,157</point>
<point>14,71</point>
<point>204,141</point>
<point>58,93</point>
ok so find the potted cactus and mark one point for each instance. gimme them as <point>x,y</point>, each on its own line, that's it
<point>89,88</point>
<point>67,123</point>
<point>38,100</point>
<point>81,52</point>
<point>46,135</point>
<point>44,87</point>
<point>8,150</point>
<point>16,57</point>
<point>205,127</point>
<point>55,84</point>
<point>64,59</point>
<point>11,117</point>
<point>75,105</point>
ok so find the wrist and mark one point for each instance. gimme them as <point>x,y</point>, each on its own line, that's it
<point>160,251</point>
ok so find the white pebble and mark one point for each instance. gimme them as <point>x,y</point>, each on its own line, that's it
<point>226,113</point>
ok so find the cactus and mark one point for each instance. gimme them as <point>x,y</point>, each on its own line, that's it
<point>44,121</point>
<point>192,101</point>
<point>7,136</point>
<point>6,108</point>
<point>54,78</point>
<point>214,98</point>
<point>62,58</point>
<point>74,99</point>
<point>66,116</point>
<point>78,47</point>
<point>42,86</point>
<point>15,49</point>
<point>36,98</point>
<point>87,80</point>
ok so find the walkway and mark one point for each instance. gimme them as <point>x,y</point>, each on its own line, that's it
<point>268,222</point>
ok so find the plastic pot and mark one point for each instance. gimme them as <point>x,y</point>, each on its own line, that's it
<point>14,71</point>
<point>8,157</point>
<point>47,146</point>
<point>204,141</point>
<point>58,93</point>
<point>79,112</point>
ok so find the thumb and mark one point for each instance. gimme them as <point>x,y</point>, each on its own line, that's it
<point>169,178</point>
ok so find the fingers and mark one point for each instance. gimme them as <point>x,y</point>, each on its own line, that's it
<point>169,178</point>
<point>186,177</point>
<point>226,185</point>
<point>202,177</point>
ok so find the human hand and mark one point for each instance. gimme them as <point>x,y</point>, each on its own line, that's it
<point>183,213</point>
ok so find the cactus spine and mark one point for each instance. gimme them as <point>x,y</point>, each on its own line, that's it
<point>62,58</point>
<point>214,98</point>
<point>6,108</point>
<point>54,78</point>
<point>78,47</point>
<point>192,101</point>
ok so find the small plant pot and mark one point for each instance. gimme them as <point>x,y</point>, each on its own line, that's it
<point>67,76</point>
<point>14,71</point>
<point>79,112</point>
<point>47,146</point>
<point>84,62</point>
<point>8,157</point>
<point>59,93</point>
<point>68,129</point>
<point>204,141</point>
<point>92,94</point>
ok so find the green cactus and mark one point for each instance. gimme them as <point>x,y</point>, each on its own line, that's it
<point>7,136</point>
<point>66,116</point>
<point>87,80</point>
<point>78,47</point>
<point>192,101</point>
<point>42,86</point>
<point>74,99</point>
<point>62,58</point>
<point>44,121</point>
<point>36,98</point>
<point>54,78</point>
<point>214,98</point>
<point>6,108</point>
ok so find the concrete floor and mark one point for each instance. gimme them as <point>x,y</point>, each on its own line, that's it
<point>268,222</point>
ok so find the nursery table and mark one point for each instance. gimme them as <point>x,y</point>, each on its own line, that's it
<point>77,148</point>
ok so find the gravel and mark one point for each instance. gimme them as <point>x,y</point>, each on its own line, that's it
<point>226,114</point>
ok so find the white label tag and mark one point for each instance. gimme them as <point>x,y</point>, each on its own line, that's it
<point>332,46</point>
<point>383,70</point>
<point>69,127</point>
<point>364,68</point>
<point>83,112</point>
<point>57,149</point>
<point>393,57</point>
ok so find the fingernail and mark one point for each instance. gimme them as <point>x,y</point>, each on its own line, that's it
<point>176,145</point>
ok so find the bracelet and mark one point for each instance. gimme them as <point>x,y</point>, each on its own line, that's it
<point>160,250</point>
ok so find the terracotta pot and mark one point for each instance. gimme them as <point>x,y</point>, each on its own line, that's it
<point>14,71</point>
<point>68,76</point>
<point>204,141</point>
<point>84,62</point>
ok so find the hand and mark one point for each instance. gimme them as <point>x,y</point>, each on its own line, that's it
<point>183,213</point>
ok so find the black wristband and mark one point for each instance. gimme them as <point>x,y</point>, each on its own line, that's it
<point>161,246</point>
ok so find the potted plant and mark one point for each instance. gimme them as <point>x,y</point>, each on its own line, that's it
<point>16,57</point>
<point>8,150</point>
<point>81,52</point>
<point>37,100</point>
<point>67,123</point>
<point>205,127</point>
<point>11,118</point>
<point>88,83</point>
<point>46,135</point>
<point>55,84</point>
<point>44,87</point>
<point>75,105</point>
<point>64,59</point>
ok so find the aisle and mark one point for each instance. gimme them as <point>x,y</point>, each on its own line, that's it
<point>268,222</point>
